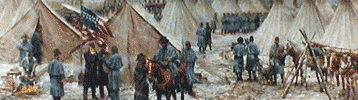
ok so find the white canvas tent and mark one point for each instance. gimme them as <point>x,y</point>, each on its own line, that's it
<point>179,23</point>
<point>148,17</point>
<point>259,6</point>
<point>290,3</point>
<point>225,6</point>
<point>204,10</point>
<point>308,19</point>
<point>355,5</point>
<point>190,4</point>
<point>56,33</point>
<point>246,6</point>
<point>274,25</point>
<point>342,31</point>
<point>134,36</point>
<point>12,11</point>
<point>325,10</point>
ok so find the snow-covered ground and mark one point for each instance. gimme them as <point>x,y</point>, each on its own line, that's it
<point>220,84</point>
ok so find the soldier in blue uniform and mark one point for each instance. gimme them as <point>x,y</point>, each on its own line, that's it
<point>252,58</point>
<point>57,76</point>
<point>201,32</point>
<point>245,22</point>
<point>188,58</point>
<point>114,64</point>
<point>167,56</point>
<point>277,56</point>
<point>239,52</point>
<point>223,23</point>
<point>213,23</point>
<point>25,48</point>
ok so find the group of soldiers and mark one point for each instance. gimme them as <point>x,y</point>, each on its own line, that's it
<point>250,50</point>
<point>30,52</point>
<point>204,36</point>
<point>169,59</point>
<point>241,22</point>
<point>102,68</point>
<point>242,49</point>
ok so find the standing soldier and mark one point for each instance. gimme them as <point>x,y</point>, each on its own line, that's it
<point>90,77</point>
<point>223,23</point>
<point>252,58</point>
<point>114,64</point>
<point>251,21</point>
<point>201,32</point>
<point>102,75</point>
<point>245,22</point>
<point>25,48</point>
<point>188,58</point>
<point>237,24</point>
<point>239,52</point>
<point>208,36</point>
<point>213,23</point>
<point>240,22</point>
<point>140,76</point>
<point>57,76</point>
<point>276,55</point>
<point>257,20</point>
<point>262,18</point>
<point>36,41</point>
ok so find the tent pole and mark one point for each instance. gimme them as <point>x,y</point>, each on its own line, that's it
<point>323,85</point>
<point>81,58</point>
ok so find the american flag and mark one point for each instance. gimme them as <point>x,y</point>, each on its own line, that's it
<point>89,19</point>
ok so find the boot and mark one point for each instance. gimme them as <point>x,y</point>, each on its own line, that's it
<point>254,74</point>
<point>250,79</point>
<point>191,92</point>
<point>210,47</point>
<point>85,95</point>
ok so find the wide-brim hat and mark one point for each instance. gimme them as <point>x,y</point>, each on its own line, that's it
<point>114,48</point>
<point>140,56</point>
<point>163,40</point>
<point>187,43</point>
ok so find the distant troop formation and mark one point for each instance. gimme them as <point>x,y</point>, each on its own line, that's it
<point>242,22</point>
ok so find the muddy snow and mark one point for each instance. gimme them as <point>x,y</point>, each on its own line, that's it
<point>215,65</point>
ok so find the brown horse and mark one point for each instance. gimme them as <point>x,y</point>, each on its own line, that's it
<point>161,79</point>
<point>163,82</point>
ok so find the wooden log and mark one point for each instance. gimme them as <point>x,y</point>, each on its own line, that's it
<point>315,60</point>
<point>289,73</point>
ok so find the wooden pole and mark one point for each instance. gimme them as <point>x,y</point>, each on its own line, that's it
<point>316,63</point>
<point>81,58</point>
